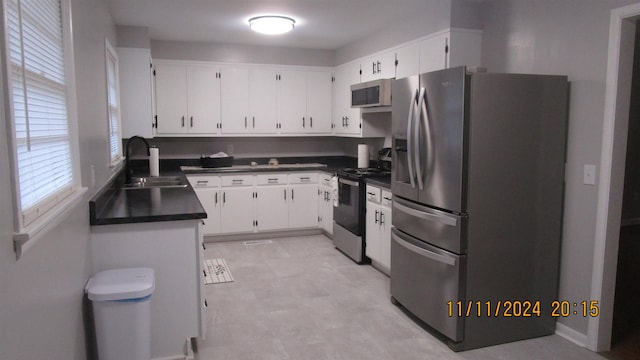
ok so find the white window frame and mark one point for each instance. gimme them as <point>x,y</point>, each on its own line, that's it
<point>60,205</point>
<point>111,54</point>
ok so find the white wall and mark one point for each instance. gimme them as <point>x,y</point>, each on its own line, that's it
<point>41,294</point>
<point>562,37</point>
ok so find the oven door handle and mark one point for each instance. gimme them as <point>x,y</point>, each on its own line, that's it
<point>424,252</point>
<point>348,182</point>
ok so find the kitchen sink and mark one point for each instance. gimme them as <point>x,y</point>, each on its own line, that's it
<point>155,182</point>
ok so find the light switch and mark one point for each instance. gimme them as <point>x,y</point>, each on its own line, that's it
<point>589,177</point>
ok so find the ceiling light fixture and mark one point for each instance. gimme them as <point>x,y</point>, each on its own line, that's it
<point>271,24</point>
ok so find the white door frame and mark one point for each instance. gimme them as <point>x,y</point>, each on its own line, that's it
<point>614,141</point>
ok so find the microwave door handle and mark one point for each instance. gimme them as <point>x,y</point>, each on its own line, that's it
<point>418,155</point>
<point>412,106</point>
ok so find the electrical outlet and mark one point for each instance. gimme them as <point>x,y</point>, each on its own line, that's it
<point>589,177</point>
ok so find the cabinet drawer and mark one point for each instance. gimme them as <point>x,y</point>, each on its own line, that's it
<point>303,178</point>
<point>204,181</point>
<point>373,194</point>
<point>237,180</point>
<point>271,179</point>
<point>387,197</point>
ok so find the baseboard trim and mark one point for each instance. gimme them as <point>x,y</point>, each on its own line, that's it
<point>572,335</point>
<point>262,235</point>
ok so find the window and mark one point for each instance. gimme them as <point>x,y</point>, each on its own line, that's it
<point>113,104</point>
<point>41,110</point>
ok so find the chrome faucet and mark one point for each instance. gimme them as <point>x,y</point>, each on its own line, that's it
<point>127,167</point>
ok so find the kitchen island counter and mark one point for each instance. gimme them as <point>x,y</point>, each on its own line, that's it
<point>116,205</point>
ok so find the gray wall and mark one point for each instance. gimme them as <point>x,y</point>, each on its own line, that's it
<point>247,147</point>
<point>235,53</point>
<point>41,294</point>
<point>562,37</point>
<point>432,16</point>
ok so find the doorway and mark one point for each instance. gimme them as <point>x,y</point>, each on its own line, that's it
<point>625,331</point>
<point>620,70</point>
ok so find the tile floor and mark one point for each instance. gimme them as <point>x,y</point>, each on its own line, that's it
<point>299,298</point>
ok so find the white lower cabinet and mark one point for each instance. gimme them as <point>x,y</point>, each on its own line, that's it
<point>272,205</point>
<point>303,204</point>
<point>264,202</point>
<point>237,213</point>
<point>378,227</point>
<point>173,249</point>
<point>325,204</point>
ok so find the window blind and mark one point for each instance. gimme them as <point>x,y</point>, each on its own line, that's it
<point>113,105</point>
<point>39,98</point>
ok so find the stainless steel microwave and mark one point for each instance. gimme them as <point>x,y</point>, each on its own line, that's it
<point>371,93</point>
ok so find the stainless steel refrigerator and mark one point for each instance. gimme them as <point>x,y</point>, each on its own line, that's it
<point>478,182</point>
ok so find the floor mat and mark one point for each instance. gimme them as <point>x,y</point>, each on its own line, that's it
<point>217,271</point>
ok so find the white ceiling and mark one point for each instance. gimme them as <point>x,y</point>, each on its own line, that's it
<point>321,24</point>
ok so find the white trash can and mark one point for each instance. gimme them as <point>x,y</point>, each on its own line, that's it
<point>122,312</point>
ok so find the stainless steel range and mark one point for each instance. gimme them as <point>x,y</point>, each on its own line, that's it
<point>349,216</point>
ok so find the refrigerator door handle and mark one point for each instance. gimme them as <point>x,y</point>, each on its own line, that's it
<point>410,152</point>
<point>424,252</point>
<point>418,155</point>
<point>425,215</point>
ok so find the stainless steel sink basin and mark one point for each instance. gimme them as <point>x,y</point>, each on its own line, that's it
<point>155,182</point>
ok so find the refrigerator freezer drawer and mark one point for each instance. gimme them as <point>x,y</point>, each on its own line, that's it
<point>436,227</point>
<point>424,278</point>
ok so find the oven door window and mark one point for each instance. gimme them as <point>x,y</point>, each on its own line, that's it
<point>347,213</point>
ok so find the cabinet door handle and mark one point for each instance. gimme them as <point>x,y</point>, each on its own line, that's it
<point>191,122</point>
<point>310,121</point>
<point>202,182</point>
<point>381,218</point>
<point>204,272</point>
<point>303,122</point>
<point>204,247</point>
<point>183,121</point>
<point>245,122</point>
<point>224,197</point>
<point>376,217</point>
<point>285,194</point>
<point>373,71</point>
<point>378,67</point>
<point>216,198</point>
<point>272,181</point>
<point>254,122</point>
<point>291,194</point>
<point>236,181</point>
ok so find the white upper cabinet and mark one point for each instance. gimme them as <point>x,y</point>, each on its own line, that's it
<point>136,95</point>
<point>319,98</point>
<point>304,102</point>
<point>381,66</point>
<point>292,101</point>
<point>408,60</point>
<point>346,120</point>
<point>188,99</point>
<point>248,100</point>
<point>453,48</point>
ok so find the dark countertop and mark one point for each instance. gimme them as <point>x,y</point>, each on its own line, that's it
<point>113,205</point>
<point>380,181</point>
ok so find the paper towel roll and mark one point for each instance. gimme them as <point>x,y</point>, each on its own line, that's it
<point>363,156</point>
<point>154,161</point>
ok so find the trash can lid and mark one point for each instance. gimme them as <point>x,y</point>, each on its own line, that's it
<point>121,284</point>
